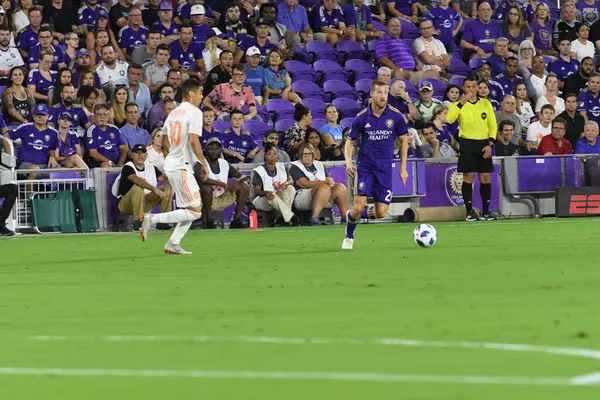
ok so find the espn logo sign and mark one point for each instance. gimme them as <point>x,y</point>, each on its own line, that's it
<point>578,201</point>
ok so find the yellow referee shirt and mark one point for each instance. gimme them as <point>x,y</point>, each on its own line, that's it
<point>476,121</point>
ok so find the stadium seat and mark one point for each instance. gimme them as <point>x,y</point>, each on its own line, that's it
<point>351,50</point>
<point>457,80</point>
<point>363,86</point>
<point>308,90</point>
<point>280,109</point>
<point>347,107</point>
<point>548,59</point>
<point>379,26</point>
<point>554,13</point>
<point>347,122</point>
<point>318,123</point>
<point>457,67</point>
<point>360,69</point>
<point>316,107</point>
<point>322,51</point>
<point>284,124</point>
<point>338,89</point>
<point>327,69</point>
<point>300,71</point>
<point>256,128</point>
<point>439,86</point>
<point>409,30</point>
<point>411,89</point>
<point>221,126</point>
<point>2,89</point>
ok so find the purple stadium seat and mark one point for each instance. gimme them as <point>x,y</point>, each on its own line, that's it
<point>281,109</point>
<point>318,123</point>
<point>2,89</point>
<point>363,86</point>
<point>347,107</point>
<point>371,45</point>
<point>352,50</point>
<point>316,107</point>
<point>284,124</point>
<point>300,71</point>
<point>360,69</point>
<point>322,51</point>
<point>548,59</point>
<point>439,86</point>
<point>346,122</point>
<point>338,89</point>
<point>331,70</point>
<point>457,80</point>
<point>457,67</point>
<point>67,175</point>
<point>554,13</point>
<point>409,30</point>
<point>256,128</point>
<point>221,126</point>
<point>476,62</point>
<point>379,26</point>
<point>308,90</point>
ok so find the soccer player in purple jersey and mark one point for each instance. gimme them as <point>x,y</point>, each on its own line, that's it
<point>374,130</point>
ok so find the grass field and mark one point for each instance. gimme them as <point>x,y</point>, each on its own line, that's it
<point>284,314</point>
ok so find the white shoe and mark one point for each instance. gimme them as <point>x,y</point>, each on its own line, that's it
<point>348,244</point>
<point>146,225</point>
<point>175,249</point>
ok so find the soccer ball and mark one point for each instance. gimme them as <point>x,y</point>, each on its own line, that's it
<point>425,235</point>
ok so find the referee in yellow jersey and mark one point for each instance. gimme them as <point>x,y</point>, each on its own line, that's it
<point>477,132</point>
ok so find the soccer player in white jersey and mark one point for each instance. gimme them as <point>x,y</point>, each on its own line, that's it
<point>181,136</point>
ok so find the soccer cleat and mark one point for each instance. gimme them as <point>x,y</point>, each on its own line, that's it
<point>146,224</point>
<point>488,217</point>
<point>237,224</point>
<point>348,244</point>
<point>472,216</point>
<point>175,249</point>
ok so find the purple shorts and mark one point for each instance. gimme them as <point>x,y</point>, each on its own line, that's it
<point>374,183</point>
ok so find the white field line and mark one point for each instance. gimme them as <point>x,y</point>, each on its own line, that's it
<point>512,347</point>
<point>587,379</point>
<point>283,375</point>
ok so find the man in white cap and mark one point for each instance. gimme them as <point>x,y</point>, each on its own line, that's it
<point>255,74</point>
<point>202,31</point>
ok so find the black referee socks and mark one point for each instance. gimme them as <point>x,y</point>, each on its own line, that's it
<point>467,193</point>
<point>485,190</point>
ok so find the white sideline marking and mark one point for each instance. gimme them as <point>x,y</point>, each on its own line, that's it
<point>527,348</point>
<point>587,379</point>
<point>283,375</point>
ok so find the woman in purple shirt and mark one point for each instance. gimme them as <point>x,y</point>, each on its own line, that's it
<point>41,80</point>
<point>69,148</point>
<point>542,29</point>
<point>515,28</point>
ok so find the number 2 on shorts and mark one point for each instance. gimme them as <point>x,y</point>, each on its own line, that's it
<point>175,133</point>
<point>388,197</point>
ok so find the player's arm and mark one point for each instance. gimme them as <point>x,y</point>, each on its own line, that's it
<point>402,133</point>
<point>197,149</point>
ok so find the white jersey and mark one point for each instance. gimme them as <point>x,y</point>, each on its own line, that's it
<point>116,76</point>
<point>185,120</point>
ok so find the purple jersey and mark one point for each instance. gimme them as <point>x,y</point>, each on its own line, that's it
<point>483,35</point>
<point>187,58</point>
<point>403,6</point>
<point>33,57</point>
<point>202,33</point>
<point>360,18</point>
<point>590,104</point>
<point>542,35</point>
<point>241,144</point>
<point>321,18</point>
<point>42,85</point>
<point>89,16</point>
<point>448,132</point>
<point>525,8</point>
<point>76,111</point>
<point>563,69</point>
<point>445,21</point>
<point>171,30</point>
<point>209,135</point>
<point>35,144</point>
<point>27,38</point>
<point>106,141</point>
<point>129,38</point>
<point>507,83</point>
<point>589,13</point>
<point>68,147</point>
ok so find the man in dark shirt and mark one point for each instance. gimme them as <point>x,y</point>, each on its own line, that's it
<point>504,145</point>
<point>575,121</point>
<point>9,193</point>
<point>119,15</point>
<point>221,73</point>
<point>578,81</point>
<point>60,15</point>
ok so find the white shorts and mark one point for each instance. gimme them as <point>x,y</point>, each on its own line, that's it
<point>303,200</point>
<point>185,188</point>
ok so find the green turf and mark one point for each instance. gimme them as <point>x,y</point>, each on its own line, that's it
<point>529,282</point>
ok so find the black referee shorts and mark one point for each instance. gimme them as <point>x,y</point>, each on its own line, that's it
<point>471,158</point>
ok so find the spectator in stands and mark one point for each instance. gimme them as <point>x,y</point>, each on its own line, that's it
<point>589,143</point>
<point>98,39</point>
<point>432,147</point>
<point>555,142</point>
<point>28,36</point>
<point>327,20</point>
<point>536,82</point>
<point>133,35</point>
<point>331,132</point>
<point>589,99</point>
<point>398,98</point>
<point>168,106</point>
<point>186,10</point>
<point>509,78</point>
<point>515,28</point>
<point>430,52</point>
<point>498,58</point>
<point>540,128</point>
<point>88,97</point>
<point>278,83</point>
<point>542,30</point>
<point>64,76</point>
<point>255,74</point>
<point>446,133</point>
<point>278,32</point>
<point>42,79</point>
<point>505,146</point>
<point>119,99</point>
<point>315,189</point>
<point>9,193</point>
<point>89,14</point>
<point>67,105</point>
<point>147,53</point>
<point>84,65</point>
<point>525,54</point>
<point>217,194</point>
<point>575,121</point>
<point>384,74</point>
<point>551,96</point>
<point>38,142</point>
<point>587,11</point>
<point>567,26</point>
<point>504,8</point>
<point>483,92</point>
<point>139,93</point>
<point>112,72</point>
<point>238,144</point>
<point>358,17</point>
<point>447,23</point>
<point>45,46</point>
<point>322,152</point>
<point>20,13</point>
<point>220,73</point>
<point>480,34</point>
<point>294,137</point>
<point>9,56</point>
<point>138,190</point>
<point>157,112</point>
<point>154,73</point>
<point>200,28</point>
<point>576,82</point>
<point>272,137</point>
<point>295,19</point>
<point>582,47</point>
<point>165,25</point>
<point>61,18</point>
<point>150,13</point>
<point>564,65</point>
<point>174,79</point>
<point>466,8</point>
<point>131,131</point>
<point>208,132</point>
<point>186,55</point>
<point>484,73</point>
<point>408,11</point>
<point>273,186</point>
<point>106,146</point>
<point>452,95</point>
<point>227,97</point>
<point>394,53</point>
<point>231,25</point>
<point>426,102</point>
<point>69,154</point>
<point>155,151</point>
<point>17,100</point>
<point>524,110</point>
<point>508,112</point>
<point>261,42</point>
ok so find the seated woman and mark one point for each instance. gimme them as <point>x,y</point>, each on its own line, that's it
<point>273,187</point>
<point>70,154</point>
<point>483,92</point>
<point>331,132</point>
<point>322,152</point>
<point>315,188</point>
<point>155,152</point>
<point>278,83</point>
<point>63,77</point>
<point>41,80</point>
<point>17,100</point>
<point>118,101</point>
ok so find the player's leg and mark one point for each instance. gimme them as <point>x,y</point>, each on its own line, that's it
<point>468,161</point>
<point>486,167</point>
<point>320,197</point>
<point>363,181</point>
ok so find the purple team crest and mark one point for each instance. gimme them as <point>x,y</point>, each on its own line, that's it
<point>452,184</point>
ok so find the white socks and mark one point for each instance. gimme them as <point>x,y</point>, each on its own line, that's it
<point>179,231</point>
<point>173,217</point>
